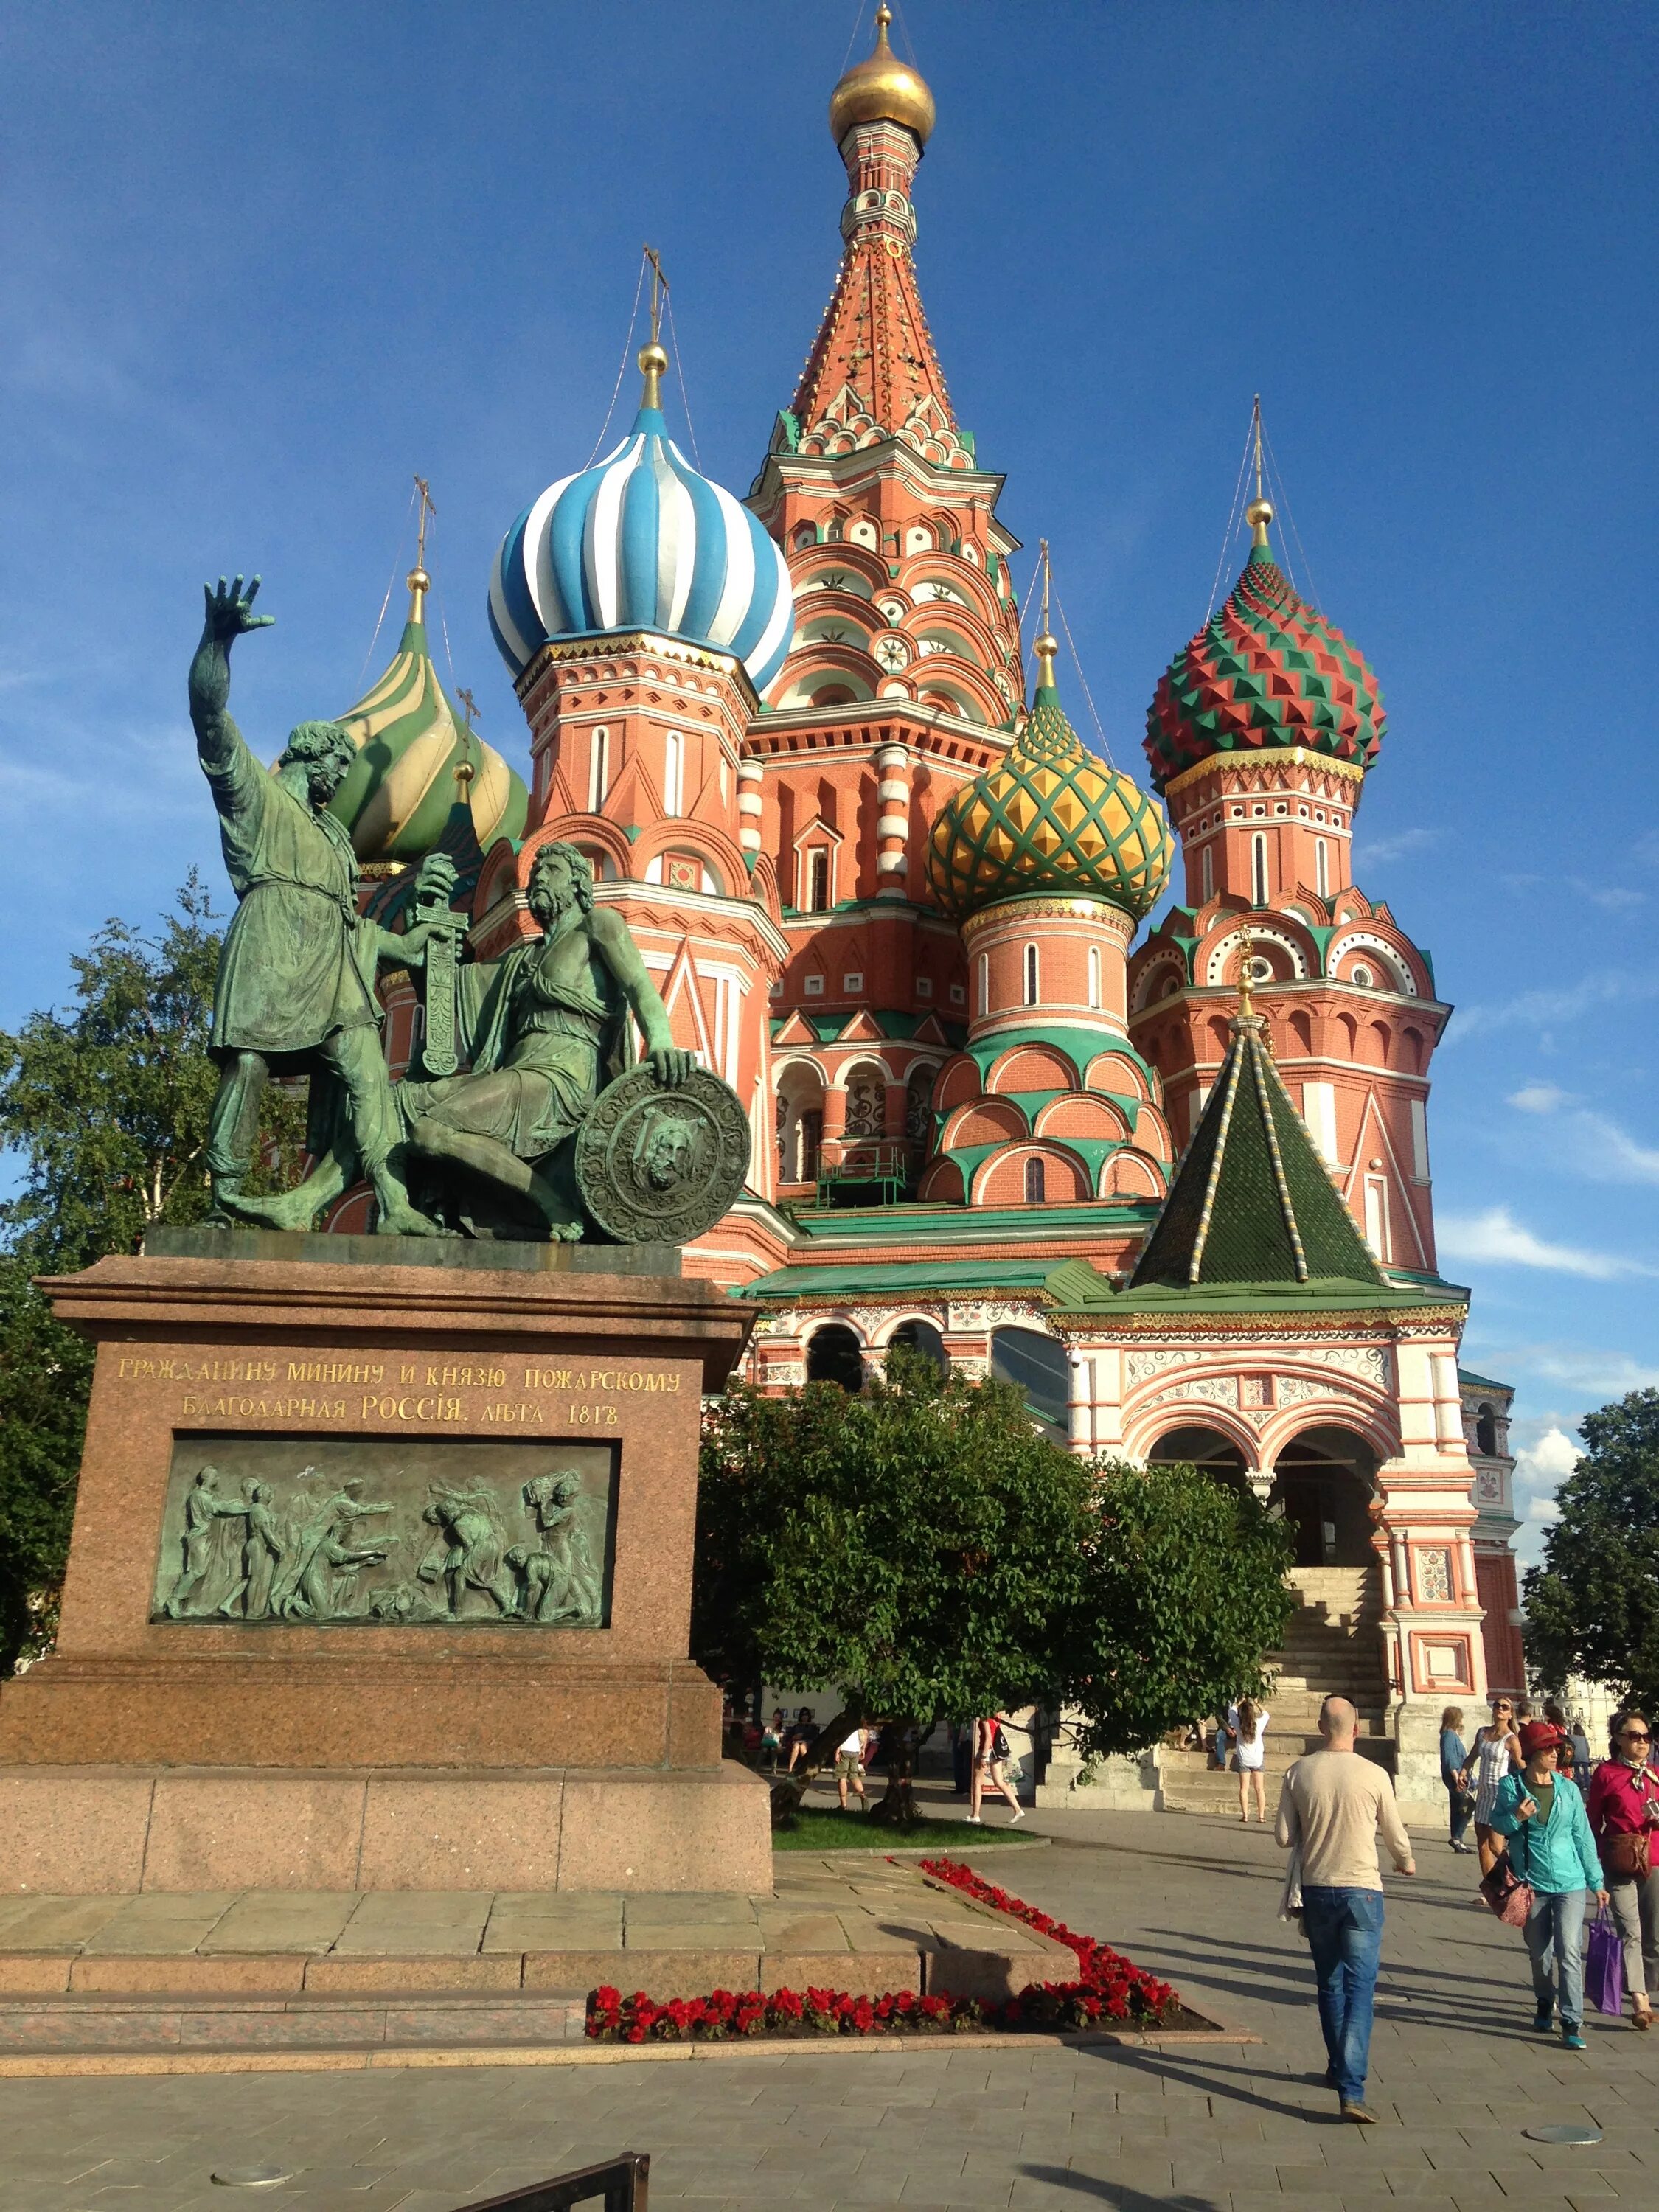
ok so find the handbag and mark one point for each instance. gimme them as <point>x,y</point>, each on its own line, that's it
<point>1508,1896</point>
<point>1604,1966</point>
<point>1627,1858</point>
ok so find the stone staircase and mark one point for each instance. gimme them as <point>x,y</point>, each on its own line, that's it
<point>1332,1647</point>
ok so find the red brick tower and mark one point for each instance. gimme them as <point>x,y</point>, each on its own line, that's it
<point>1260,736</point>
<point>903,681</point>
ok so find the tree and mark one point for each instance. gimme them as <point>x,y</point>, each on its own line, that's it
<point>1592,1604</point>
<point>1184,1591</point>
<point>925,1549</point>
<point>106,1104</point>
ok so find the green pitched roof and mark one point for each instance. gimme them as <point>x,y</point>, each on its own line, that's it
<point>1251,1201</point>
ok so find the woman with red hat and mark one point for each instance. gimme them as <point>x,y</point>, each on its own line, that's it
<point>1623,1806</point>
<point>1553,1851</point>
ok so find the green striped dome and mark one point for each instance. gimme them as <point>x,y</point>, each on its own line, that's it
<point>1049,817</point>
<point>397,797</point>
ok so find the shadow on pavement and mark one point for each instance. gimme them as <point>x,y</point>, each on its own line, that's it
<point>1120,2193</point>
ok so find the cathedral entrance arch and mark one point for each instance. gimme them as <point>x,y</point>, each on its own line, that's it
<point>1325,1479</point>
<point>1218,1456</point>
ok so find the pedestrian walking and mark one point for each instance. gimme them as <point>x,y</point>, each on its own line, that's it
<point>1495,1753</point>
<point>1567,1759</point>
<point>1551,1847</point>
<point>991,1752</point>
<point>1453,1759</point>
<point>849,1767</point>
<point>1333,1807</point>
<point>1249,1722</point>
<point>1623,1810</point>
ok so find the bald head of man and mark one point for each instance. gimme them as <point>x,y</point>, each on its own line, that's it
<point>1338,1721</point>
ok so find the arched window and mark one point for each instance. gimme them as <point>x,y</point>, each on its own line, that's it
<point>818,880</point>
<point>598,768</point>
<point>1322,867</point>
<point>920,1337</point>
<point>833,1355</point>
<point>984,983</point>
<point>673,773</point>
<point>1033,1181</point>
<point>1207,871</point>
<point>1094,975</point>
<point>919,1106</point>
<point>1038,1365</point>
<point>1030,975</point>
<point>867,1102</point>
<point>1259,867</point>
<point>1485,1433</point>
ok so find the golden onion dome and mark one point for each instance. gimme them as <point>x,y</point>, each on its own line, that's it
<point>882,88</point>
<point>1049,817</point>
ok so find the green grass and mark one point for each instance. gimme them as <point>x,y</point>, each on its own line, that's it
<point>822,1828</point>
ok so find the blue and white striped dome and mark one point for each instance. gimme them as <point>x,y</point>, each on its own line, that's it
<point>640,541</point>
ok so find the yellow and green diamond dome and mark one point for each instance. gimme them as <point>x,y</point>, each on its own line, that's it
<point>1050,818</point>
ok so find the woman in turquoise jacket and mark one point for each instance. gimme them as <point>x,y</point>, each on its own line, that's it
<point>1551,1847</point>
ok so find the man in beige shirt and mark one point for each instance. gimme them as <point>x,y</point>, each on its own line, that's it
<point>1333,1806</point>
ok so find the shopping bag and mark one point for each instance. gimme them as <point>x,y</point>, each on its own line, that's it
<point>1604,1965</point>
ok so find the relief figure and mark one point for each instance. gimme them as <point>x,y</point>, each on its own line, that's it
<point>468,1555</point>
<point>203,1511</point>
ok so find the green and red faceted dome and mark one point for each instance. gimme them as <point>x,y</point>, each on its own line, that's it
<point>1265,672</point>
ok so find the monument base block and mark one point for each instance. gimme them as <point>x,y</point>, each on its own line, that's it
<point>114,1831</point>
<point>380,1579</point>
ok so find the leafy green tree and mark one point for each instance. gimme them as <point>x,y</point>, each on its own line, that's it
<point>1185,1589</point>
<point>1592,1604</point>
<point>105,1105</point>
<point>925,1549</point>
<point>107,1102</point>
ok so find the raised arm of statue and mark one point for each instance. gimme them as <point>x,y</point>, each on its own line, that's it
<point>669,1064</point>
<point>228,763</point>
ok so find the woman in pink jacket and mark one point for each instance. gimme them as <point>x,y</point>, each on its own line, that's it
<point>1623,1805</point>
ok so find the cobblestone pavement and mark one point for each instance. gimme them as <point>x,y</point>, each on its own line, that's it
<point>1456,2074</point>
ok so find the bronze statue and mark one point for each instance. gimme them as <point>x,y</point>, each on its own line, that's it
<point>544,1029</point>
<point>296,989</point>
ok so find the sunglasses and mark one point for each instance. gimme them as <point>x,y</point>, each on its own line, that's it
<point>1636,1735</point>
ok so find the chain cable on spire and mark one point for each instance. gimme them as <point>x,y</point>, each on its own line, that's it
<point>679,376</point>
<point>1232,511</point>
<point>391,587</point>
<point>621,371</point>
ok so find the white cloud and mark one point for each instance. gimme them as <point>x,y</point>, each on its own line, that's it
<point>1607,987</point>
<point>1615,901</point>
<point>1598,1374</point>
<point>1539,1099</point>
<point>1543,1508</point>
<point>1376,850</point>
<point>1495,1238</point>
<point>1613,1155</point>
<point>1540,1467</point>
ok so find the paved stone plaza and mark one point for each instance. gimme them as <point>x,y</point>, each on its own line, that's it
<point>1208,2128</point>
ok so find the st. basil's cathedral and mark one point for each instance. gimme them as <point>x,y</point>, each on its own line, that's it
<point>1178,1189</point>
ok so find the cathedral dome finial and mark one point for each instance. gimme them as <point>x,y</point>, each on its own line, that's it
<point>1049,817</point>
<point>881,89</point>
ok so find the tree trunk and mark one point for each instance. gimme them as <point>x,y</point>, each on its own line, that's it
<point>897,1805</point>
<point>789,1790</point>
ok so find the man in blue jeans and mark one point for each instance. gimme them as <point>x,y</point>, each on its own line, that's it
<point>1333,1807</point>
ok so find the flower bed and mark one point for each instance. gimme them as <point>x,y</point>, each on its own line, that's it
<point>1109,1990</point>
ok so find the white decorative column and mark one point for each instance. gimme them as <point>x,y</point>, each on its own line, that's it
<point>892,820</point>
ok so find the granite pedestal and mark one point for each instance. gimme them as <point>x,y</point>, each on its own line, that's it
<point>439,1671</point>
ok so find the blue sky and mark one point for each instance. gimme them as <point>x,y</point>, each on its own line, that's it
<point>258,266</point>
